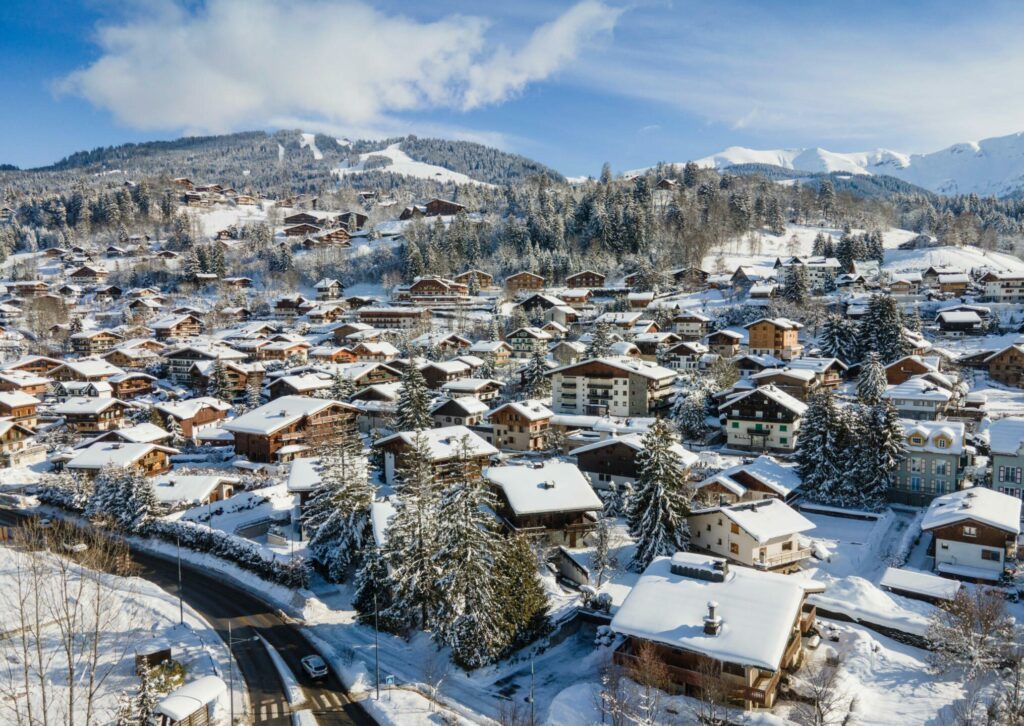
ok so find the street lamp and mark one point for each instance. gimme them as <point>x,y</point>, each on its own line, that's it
<point>181,606</point>
<point>231,667</point>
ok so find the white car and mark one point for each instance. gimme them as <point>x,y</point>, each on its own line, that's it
<point>315,667</point>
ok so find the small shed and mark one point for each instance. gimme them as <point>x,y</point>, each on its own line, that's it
<point>919,585</point>
<point>192,704</point>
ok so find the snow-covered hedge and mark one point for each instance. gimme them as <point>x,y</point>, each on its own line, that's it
<point>244,554</point>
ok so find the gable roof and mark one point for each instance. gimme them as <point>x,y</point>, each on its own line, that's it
<point>555,486</point>
<point>279,413</point>
<point>979,504</point>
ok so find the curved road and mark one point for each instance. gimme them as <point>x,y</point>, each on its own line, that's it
<point>219,602</point>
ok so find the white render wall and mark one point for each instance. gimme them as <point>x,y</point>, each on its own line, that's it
<point>966,554</point>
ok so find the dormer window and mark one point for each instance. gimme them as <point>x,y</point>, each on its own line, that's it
<point>970,531</point>
<point>916,440</point>
<point>942,443</point>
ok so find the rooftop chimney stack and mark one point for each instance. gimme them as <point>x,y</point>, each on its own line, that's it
<point>712,621</point>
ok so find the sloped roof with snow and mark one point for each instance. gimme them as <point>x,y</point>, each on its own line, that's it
<point>1006,435</point>
<point>757,609</point>
<point>277,414</point>
<point>187,487</point>
<point>531,410</point>
<point>444,443</point>
<point>979,504</point>
<point>552,487</point>
<point>114,453</point>
<point>188,408</point>
<point>635,441</point>
<point>775,394</point>
<point>766,519</point>
<point>80,405</point>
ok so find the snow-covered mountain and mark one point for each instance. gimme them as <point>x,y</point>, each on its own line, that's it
<point>990,167</point>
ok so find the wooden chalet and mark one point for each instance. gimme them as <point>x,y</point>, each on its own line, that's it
<point>524,281</point>
<point>483,279</point>
<point>586,278</point>
<point>291,427</point>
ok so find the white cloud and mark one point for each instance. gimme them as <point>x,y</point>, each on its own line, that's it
<point>237,63</point>
<point>919,84</point>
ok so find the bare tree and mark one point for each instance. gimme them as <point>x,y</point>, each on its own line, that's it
<point>826,702</point>
<point>615,699</point>
<point>973,632</point>
<point>435,671</point>
<point>711,706</point>
<point>72,625</point>
<point>651,674</point>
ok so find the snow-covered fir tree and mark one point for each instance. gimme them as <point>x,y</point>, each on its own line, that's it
<point>521,598</point>
<point>337,515</point>
<point>342,387</point>
<point>797,288</point>
<point>411,547</point>
<point>877,450</point>
<point>871,381</point>
<point>219,386</point>
<point>689,412</point>
<point>822,453</point>
<point>147,699</point>
<point>108,495</point>
<point>536,383</point>
<point>881,330</point>
<point>600,344</point>
<point>657,509</point>
<point>468,617</point>
<point>372,597</point>
<point>839,339</point>
<point>173,426</point>
<point>253,392</point>
<point>412,411</point>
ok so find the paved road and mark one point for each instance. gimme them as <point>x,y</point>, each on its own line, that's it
<point>219,602</point>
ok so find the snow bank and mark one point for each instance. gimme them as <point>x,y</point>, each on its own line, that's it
<point>292,689</point>
<point>862,601</point>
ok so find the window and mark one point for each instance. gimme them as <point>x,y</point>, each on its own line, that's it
<point>917,465</point>
<point>1002,471</point>
<point>991,555</point>
<point>735,424</point>
<point>709,528</point>
<point>782,427</point>
<point>734,528</point>
<point>734,548</point>
<point>942,468</point>
<point>915,483</point>
<point>941,443</point>
<point>787,546</point>
<point>970,531</point>
<point>783,440</point>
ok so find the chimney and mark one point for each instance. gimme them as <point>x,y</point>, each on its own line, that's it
<point>712,621</point>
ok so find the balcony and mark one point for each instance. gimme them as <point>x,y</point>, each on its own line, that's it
<point>783,558</point>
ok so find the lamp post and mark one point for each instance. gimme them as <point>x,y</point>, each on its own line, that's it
<point>181,606</point>
<point>231,667</point>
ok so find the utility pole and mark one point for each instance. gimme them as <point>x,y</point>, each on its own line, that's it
<point>181,606</point>
<point>376,642</point>
<point>231,670</point>
<point>532,682</point>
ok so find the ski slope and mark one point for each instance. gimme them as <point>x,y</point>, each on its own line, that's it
<point>309,141</point>
<point>402,163</point>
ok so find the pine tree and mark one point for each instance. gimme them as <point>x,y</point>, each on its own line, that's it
<point>601,560</point>
<point>218,385</point>
<point>689,412</point>
<point>341,387</point>
<point>797,287</point>
<point>372,597</point>
<point>521,597</point>
<point>409,552</point>
<point>881,330</point>
<point>108,495</point>
<point>822,450</point>
<point>337,515</point>
<point>468,617</point>
<point>600,342</point>
<point>253,392</point>
<point>878,449</point>
<point>413,409</point>
<point>156,418</point>
<point>871,381</point>
<point>536,382</point>
<point>148,698</point>
<point>139,501</point>
<point>827,199</point>
<point>839,339</point>
<point>657,510</point>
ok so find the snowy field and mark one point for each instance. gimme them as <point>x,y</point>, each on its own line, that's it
<point>402,163</point>
<point>136,614</point>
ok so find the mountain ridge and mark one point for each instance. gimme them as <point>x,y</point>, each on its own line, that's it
<point>990,167</point>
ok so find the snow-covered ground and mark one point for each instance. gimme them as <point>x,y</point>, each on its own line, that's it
<point>402,163</point>
<point>963,258</point>
<point>309,140</point>
<point>138,612</point>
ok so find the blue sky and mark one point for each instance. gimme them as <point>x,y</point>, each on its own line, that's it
<point>571,84</point>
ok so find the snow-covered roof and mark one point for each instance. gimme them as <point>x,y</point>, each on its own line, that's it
<point>959,316</point>
<point>930,431</point>
<point>765,519</point>
<point>757,610</point>
<point>918,389</point>
<point>644,368</point>
<point>552,487</point>
<point>143,433</point>
<point>468,385</point>
<point>92,367</point>
<point>13,399</point>
<point>279,413</point>
<point>182,702</point>
<point>635,441</point>
<point>775,394</point>
<point>818,365</point>
<point>444,443</point>
<point>447,366</point>
<point>531,410</point>
<point>489,346</point>
<point>80,405</point>
<point>800,374</point>
<point>470,404</point>
<point>114,453</point>
<point>172,487</point>
<point>979,504</point>
<point>1006,435</point>
<point>187,409</point>
<point>784,323</point>
<point>921,583</point>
